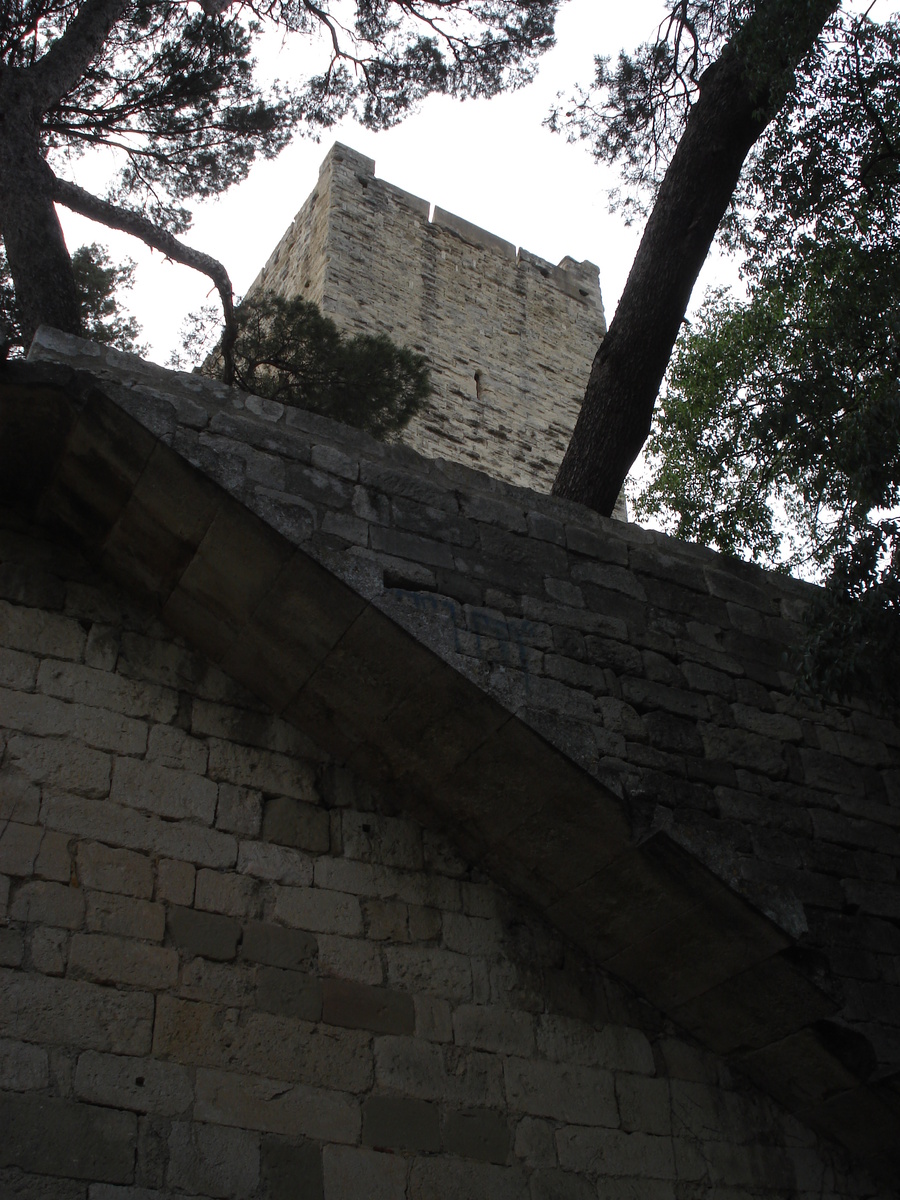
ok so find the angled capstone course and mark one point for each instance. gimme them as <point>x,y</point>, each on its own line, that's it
<point>472,845</point>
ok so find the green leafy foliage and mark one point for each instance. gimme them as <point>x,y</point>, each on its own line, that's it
<point>777,437</point>
<point>853,643</point>
<point>786,406</point>
<point>287,350</point>
<point>829,165</point>
<point>99,283</point>
<point>633,113</point>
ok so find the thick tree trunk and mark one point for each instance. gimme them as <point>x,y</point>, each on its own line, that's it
<point>35,246</point>
<point>739,95</point>
<point>63,65</point>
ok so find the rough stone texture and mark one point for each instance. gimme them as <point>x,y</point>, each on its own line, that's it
<point>622,648</point>
<point>204,933</point>
<point>56,1137</point>
<point>509,337</point>
<point>524,1088</point>
<point>398,1124</point>
<point>351,1171</point>
<point>291,1171</point>
<point>446,992</point>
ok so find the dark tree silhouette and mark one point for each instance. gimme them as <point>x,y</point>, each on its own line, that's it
<point>698,99</point>
<point>171,88</point>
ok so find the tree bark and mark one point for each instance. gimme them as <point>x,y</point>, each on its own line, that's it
<point>35,247</point>
<point>739,95</point>
<point>59,70</point>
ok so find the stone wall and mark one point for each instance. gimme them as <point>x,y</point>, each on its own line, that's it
<point>660,668</point>
<point>570,695</point>
<point>510,337</point>
<point>229,968</point>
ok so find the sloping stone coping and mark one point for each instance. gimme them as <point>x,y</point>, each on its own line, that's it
<point>325,657</point>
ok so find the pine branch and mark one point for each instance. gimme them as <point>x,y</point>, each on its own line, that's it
<point>113,217</point>
<point>59,70</point>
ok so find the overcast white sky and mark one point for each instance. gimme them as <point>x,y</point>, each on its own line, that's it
<point>491,162</point>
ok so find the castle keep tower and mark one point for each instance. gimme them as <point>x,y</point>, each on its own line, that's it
<point>510,337</point>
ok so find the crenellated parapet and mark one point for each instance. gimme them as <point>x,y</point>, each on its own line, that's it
<point>510,336</point>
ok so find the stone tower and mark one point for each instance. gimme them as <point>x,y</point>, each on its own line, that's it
<point>509,336</point>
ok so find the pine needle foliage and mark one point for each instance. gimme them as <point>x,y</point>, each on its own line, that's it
<point>99,283</point>
<point>288,350</point>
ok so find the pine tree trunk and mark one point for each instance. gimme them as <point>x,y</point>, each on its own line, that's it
<point>35,247</point>
<point>739,95</point>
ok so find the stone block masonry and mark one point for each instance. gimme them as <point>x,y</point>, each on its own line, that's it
<point>509,336</point>
<point>206,993</point>
<point>660,669</point>
<point>253,937</point>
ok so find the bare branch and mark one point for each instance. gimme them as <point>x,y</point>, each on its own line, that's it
<point>78,200</point>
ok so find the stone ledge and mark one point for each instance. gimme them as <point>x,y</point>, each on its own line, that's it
<point>473,234</point>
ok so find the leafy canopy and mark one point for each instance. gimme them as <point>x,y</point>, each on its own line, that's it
<point>682,115</point>
<point>634,111</point>
<point>171,89</point>
<point>778,433</point>
<point>784,410</point>
<point>174,91</point>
